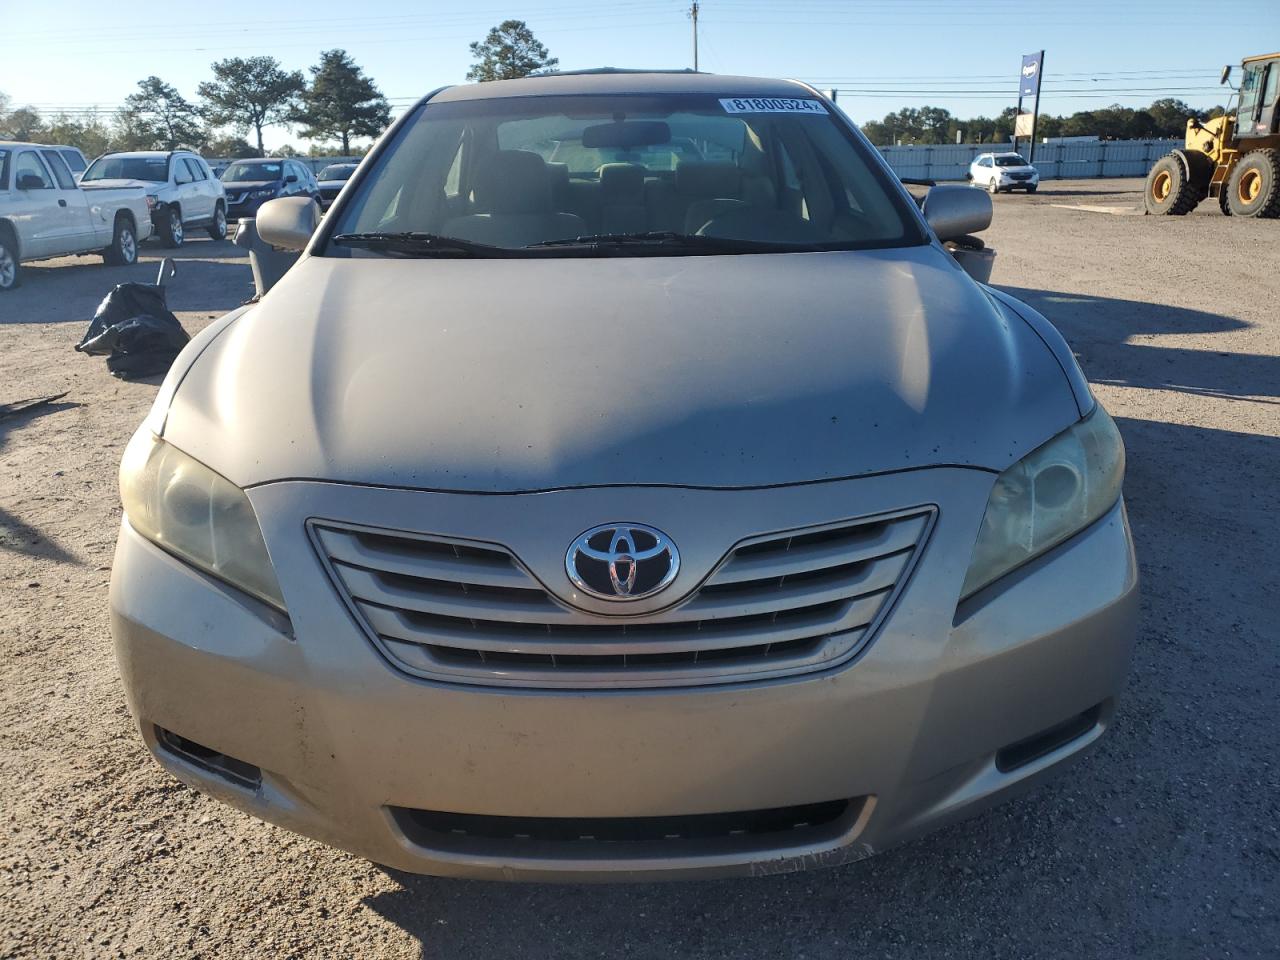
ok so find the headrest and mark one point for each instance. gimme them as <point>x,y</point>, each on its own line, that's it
<point>559,173</point>
<point>514,181</point>
<point>622,183</point>
<point>698,178</point>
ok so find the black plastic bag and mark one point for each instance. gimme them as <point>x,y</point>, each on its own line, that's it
<point>135,330</point>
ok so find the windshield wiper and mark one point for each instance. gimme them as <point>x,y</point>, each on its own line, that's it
<point>669,239</point>
<point>415,244</point>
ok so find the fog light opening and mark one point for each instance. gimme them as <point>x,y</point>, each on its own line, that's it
<point>206,758</point>
<point>1027,751</point>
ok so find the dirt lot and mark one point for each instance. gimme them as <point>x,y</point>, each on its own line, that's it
<point>1164,844</point>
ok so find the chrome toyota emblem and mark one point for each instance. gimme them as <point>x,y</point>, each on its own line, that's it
<point>622,561</point>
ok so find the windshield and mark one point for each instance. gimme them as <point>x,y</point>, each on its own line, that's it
<point>517,172</point>
<point>155,169</point>
<point>241,172</point>
<point>337,171</point>
<point>1010,160</point>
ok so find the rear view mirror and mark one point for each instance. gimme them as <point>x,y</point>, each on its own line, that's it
<point>954,211</point>
<point>1226,74</point>
<point>291,178</point>
<point>287,223</point>
<point>30,181</point>
<point>627,134</point>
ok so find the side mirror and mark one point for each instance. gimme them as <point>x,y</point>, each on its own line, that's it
<point>954,211</point>
<point>30,181</point>
<point>1226,74</point>
<point>291,178</point>
<point>287,223</point>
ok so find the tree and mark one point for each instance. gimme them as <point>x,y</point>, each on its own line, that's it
<point>1170,116</point>
<point>251,93</point>
<point>509,51</point>
<point>234,148</point>
<point>157,117</point>
<point>341,102</point>
<point>89,133</point>
<point>25,123</point>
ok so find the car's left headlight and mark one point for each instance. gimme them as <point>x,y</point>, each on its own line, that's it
<point>1050,494</point>
<point>196,514</point>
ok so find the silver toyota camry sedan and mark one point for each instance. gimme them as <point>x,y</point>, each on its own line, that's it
<point>628,481</point>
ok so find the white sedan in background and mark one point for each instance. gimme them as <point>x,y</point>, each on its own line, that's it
<point>1003,171</point>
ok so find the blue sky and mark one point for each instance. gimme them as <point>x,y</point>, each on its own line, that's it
<point>882,54</point>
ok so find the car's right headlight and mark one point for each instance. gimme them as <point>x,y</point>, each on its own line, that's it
<point>1050,494</point>
<point>198,515</point>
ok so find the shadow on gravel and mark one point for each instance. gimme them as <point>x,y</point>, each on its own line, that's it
<point>1098,329</point>
<point>212,277</point>
<point>16,535</point>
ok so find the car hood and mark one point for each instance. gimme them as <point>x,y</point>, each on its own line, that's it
<point>115,184</point>
<point>533,374</point>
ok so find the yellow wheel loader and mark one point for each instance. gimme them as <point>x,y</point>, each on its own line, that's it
<point>1234,158</point>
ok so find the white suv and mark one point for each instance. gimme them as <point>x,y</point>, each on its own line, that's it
<point>181,190</point>
<point>1003,171</point>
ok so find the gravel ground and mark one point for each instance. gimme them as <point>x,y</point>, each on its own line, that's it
<point>1163,844</point>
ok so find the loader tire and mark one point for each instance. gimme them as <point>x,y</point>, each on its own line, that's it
<point>1253,189</point>
<point>1223,205</point>
<point>1169,191</point>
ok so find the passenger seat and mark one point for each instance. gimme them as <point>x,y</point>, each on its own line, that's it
<point>622,190</point>
<point>513,191</point>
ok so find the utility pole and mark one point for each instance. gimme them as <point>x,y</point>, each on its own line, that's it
<point>1035,114</point>
<point>693,14</point>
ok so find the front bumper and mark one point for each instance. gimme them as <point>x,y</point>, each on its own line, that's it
<point>911,732</point>
<point>244,209</point>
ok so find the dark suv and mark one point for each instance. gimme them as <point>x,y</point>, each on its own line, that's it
<point>251,183</point>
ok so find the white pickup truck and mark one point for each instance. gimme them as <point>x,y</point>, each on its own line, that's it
<point>45,213</point>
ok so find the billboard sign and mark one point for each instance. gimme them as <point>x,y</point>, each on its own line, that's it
<point>1029,81</point>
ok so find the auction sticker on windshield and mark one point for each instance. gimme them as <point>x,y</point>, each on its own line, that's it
<point>771,105</point>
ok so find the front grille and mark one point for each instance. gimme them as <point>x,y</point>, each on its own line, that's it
<point>774,606</point>
<point>632,837</point>
<point>1019,176</point>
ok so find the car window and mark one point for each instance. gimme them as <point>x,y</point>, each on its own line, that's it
<point>181,175</point>
<point>60,170</point>
<point>984,162</point>
<point>153,169</point>
<point>1010,160</point>
<point>249,171</point>
<point>1249,89</point>
<point>74,160</point>
<point>193,168</point>
<point>4,168</point>
<point>542,168</point>
<point>28,163</point>
<point>339,171</point>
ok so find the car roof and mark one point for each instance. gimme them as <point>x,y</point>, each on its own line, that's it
<point>144,154</point>
<point>609,80</point>
<point>16,144</point>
